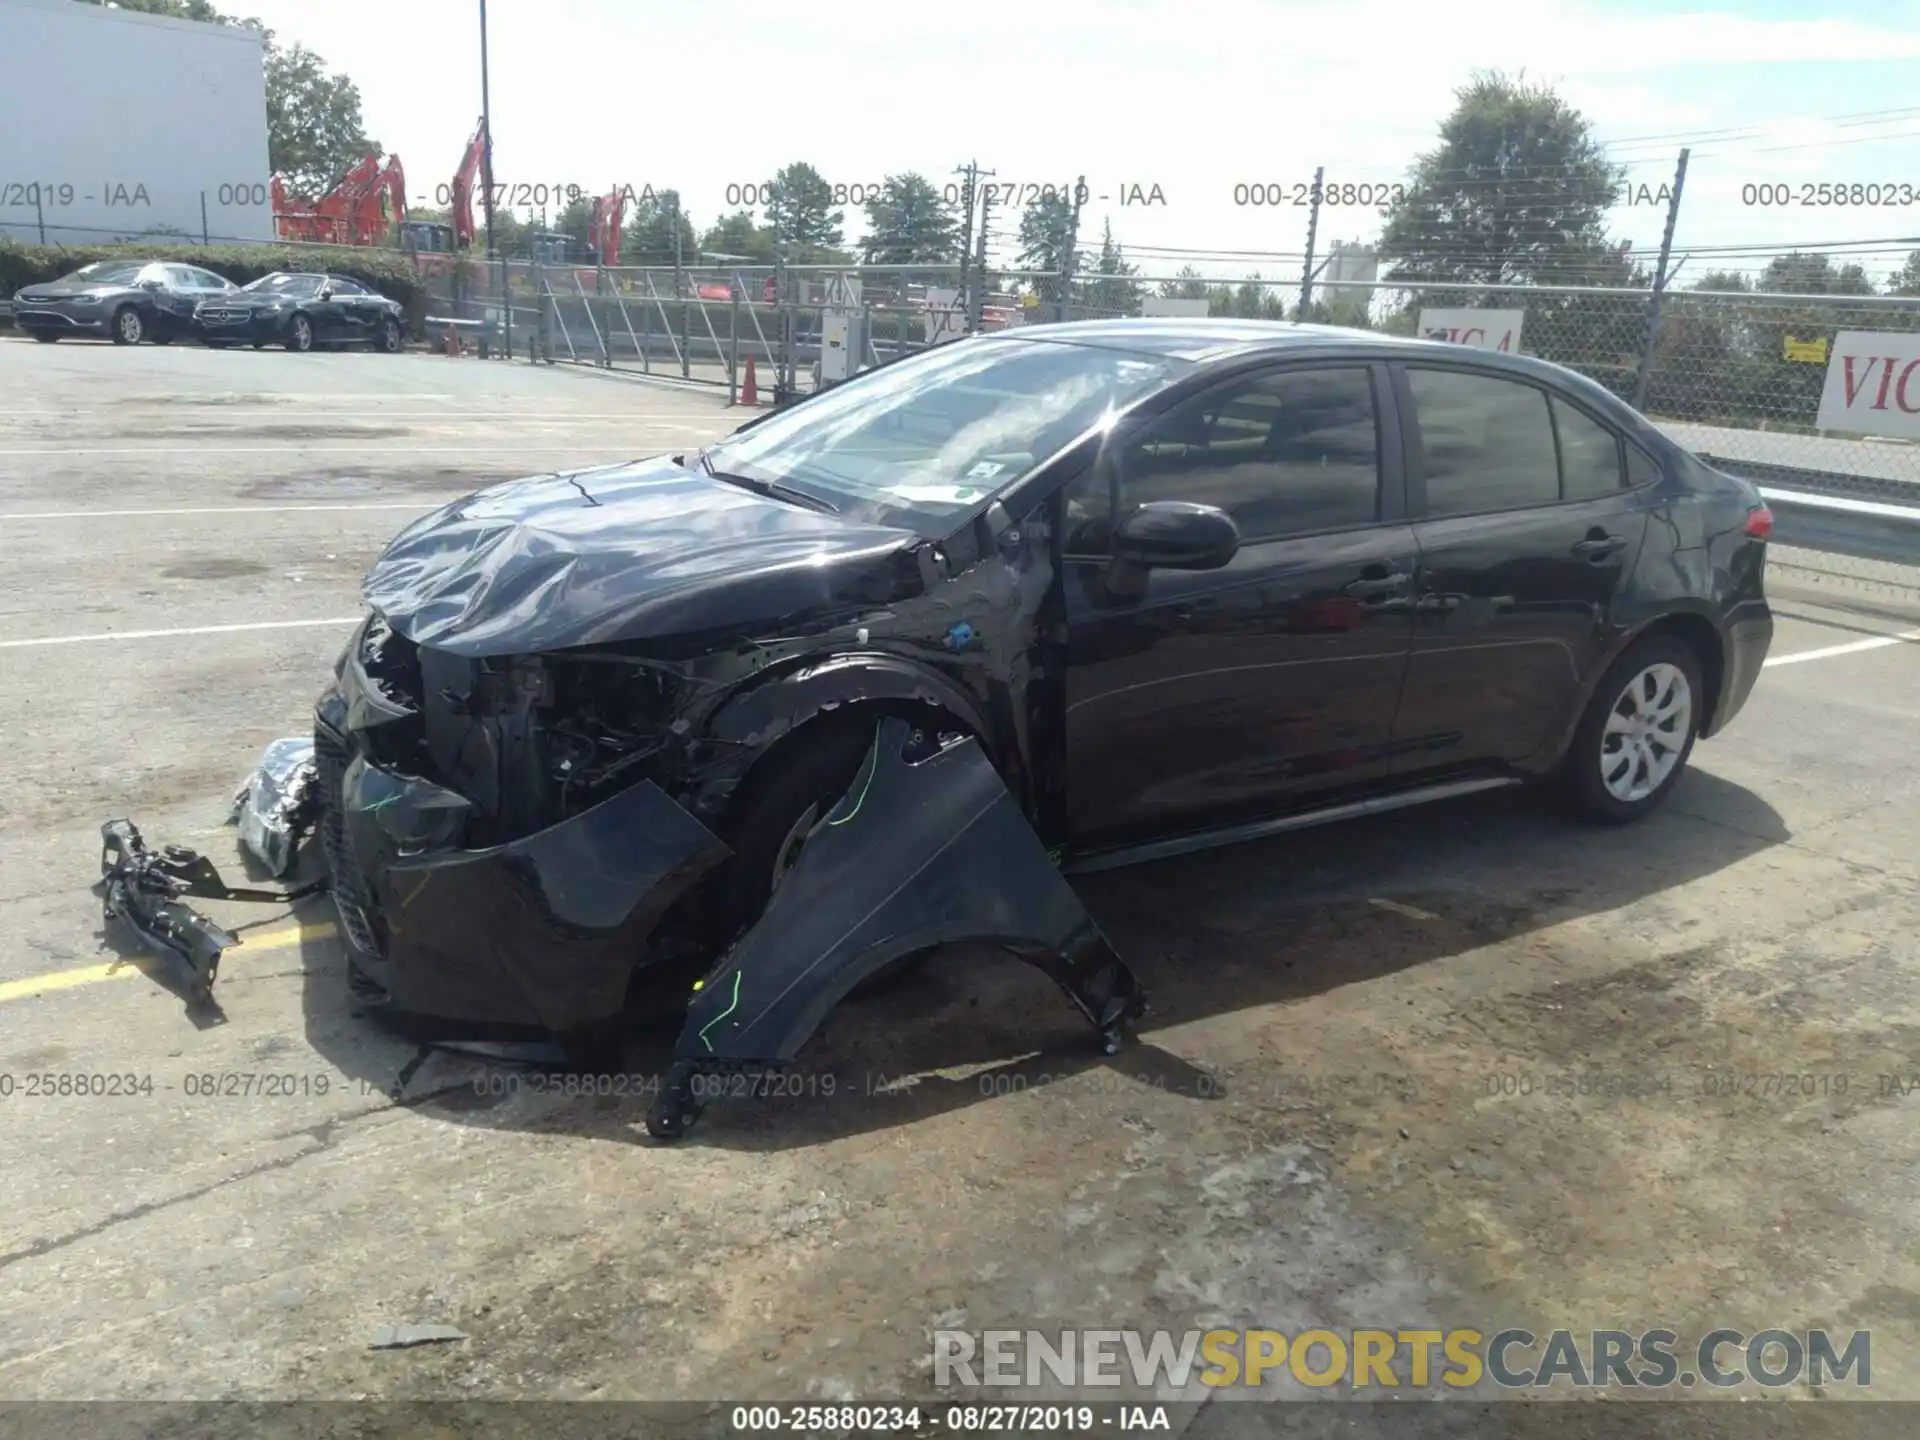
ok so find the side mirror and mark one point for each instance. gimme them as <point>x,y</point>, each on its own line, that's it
<point>153,284</point>
<point>326,292</point>
<point>1176,535</point>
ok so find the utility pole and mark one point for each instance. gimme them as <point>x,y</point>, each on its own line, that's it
<point>680,291</point>
<point>971,170</point>
<point>977,296</point>
<point>1660,277</point>
<point>1313,228</point>
<point>1066,250</point>
<point>486,187</point>
<point>486,134</point>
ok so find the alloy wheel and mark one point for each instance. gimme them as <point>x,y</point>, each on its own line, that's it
<point>1646,732</point>
<point>130,327</point>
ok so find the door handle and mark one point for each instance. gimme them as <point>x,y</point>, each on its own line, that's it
<point>1377,585</point>
<point>1599,547</point>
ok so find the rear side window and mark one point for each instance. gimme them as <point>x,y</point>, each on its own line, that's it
<point>1642,468</point>
<point>1589,454</point>
<point>1488,442</point>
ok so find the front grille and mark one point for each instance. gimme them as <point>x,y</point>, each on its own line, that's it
<point>222,316</point>
<point>350,895</point>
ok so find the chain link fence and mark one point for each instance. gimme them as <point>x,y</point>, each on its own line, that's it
<point>1736,377</point>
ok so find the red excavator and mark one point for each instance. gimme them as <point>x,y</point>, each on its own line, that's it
<point>361,208</point>
<point>433,244</point>
<point>603,231</point>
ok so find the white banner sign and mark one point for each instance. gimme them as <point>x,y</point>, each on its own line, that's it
<point>1480,329</point>
<point>841,292</point>
<point>945,319</point>
<point>1873,385</point>
<point>1171,305</point>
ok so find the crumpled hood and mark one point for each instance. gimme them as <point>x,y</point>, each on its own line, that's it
<point>636,551</point>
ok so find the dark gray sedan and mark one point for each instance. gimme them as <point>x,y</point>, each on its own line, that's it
<point>125,301</point>
<point>302,311</point>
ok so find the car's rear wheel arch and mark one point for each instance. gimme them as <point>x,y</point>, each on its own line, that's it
<point>1699,635</point>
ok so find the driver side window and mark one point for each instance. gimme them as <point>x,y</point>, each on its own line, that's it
<point>1290,452</point>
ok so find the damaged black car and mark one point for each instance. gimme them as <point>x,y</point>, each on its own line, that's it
<point>732,731</point>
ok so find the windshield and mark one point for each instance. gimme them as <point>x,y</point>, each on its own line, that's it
<point>919,441</point>
<point>284,285</point>
<point>106,272</point>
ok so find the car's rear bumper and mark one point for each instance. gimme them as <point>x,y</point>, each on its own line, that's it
<point>1749,636</point>
<point>541,933</point>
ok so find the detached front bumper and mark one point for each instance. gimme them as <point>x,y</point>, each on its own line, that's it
<point>543,932</point>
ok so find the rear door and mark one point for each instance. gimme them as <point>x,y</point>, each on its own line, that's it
<point>1196,698</point>
<point>1527,532</point>
<point>180,291</point>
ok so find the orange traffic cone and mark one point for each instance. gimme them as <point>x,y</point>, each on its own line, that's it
<point>749,393</point>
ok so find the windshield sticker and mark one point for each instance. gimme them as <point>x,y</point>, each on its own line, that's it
<point>986,470</point>
<point>939,494</point>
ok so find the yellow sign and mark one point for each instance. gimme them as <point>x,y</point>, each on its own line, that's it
<point>1813,352</point>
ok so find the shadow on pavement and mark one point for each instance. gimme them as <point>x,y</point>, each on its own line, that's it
<point>1270,923</point>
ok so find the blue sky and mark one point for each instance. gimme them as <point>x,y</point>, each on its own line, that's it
<point>1194,97</point>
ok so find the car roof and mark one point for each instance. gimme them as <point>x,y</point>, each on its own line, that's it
<point>1205,341</point>
<point>1210,342</point>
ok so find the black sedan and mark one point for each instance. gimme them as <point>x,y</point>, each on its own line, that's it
<point>1176,583</point>
<point>301,312</point>
<point>125,301</point>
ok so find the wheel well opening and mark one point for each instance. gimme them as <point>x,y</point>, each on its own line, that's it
<point>860,714</point>
<point>1696,632</point>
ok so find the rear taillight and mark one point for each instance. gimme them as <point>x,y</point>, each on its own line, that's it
<point>1759,522</point>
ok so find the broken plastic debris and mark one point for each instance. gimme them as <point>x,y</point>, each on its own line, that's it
<point>275,806</point>
<point>402,1337</point>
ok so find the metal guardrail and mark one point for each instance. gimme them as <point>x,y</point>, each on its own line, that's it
<point>1864,517</point>
<point>1842,525</point>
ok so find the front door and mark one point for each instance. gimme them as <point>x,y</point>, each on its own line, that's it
<point>1196,698</point>
<point>1526,532</point>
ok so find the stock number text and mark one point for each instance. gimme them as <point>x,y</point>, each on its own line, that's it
<point>1824,194</point>
<point>1276,192</point>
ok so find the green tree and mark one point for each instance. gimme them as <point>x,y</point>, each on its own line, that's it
<point>910,223</point>
<point>575,221</point>
<point>1112,289</point>
<point>177,9</point>
<point>314,127</point>
<point>1049,230</point>
<point>801,213</point>
<point>737,234</point>
<point>1516,191</point>
<point>652,218</point>
<point>1187,284</point>
<point>1906,280</point>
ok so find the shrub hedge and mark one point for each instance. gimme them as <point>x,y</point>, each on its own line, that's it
<point>390,272</point>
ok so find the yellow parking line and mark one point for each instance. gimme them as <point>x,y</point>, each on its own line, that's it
<point>120,969</point>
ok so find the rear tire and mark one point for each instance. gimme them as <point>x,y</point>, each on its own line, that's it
<point>1638,732</point>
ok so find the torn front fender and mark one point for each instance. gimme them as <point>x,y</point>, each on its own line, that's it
<point>920,852</point>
